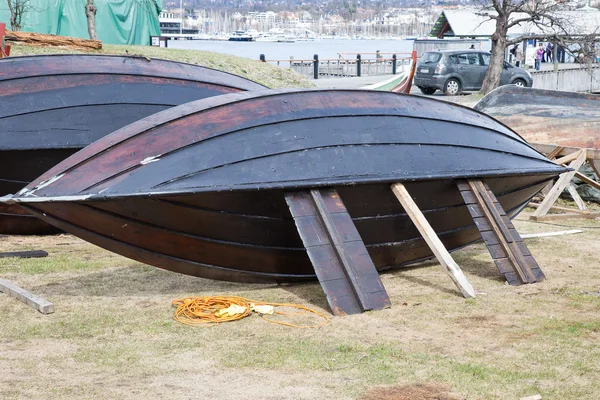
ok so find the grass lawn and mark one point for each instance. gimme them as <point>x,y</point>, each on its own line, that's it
<point>113,336</point>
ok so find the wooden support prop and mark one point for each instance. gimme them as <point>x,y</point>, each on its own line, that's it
<point>592,154</point>
<point>504,243</point>
<point>560,185</point>
<point>568,158</point>
<point>595,164</point>
<point>576,197</point>
<point>42,305</point>
<point>587,180</point>
<point>341,261</point>
<point>434,243</point>
<point>555,152</point>
<point>25,254</point>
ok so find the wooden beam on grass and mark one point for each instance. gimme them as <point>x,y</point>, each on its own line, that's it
<point>546,234</point>
<point>558,208</point>
<point>25,254</point>
<point>569,215</point>
<point>433,241</point>
<point>560,185</point>
<point>36,302</point>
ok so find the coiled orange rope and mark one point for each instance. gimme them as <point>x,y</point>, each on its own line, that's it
<point>209,310</point>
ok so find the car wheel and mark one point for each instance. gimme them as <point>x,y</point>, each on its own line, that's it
<point>452,87</point>
<point>427,90</point>
<point>520,83</point>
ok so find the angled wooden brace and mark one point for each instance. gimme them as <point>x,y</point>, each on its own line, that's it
<point>341,261</point>
<point>432,240</point>
<point>576,161</point>
<point>512,258</point>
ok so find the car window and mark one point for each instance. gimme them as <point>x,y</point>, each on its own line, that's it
<point>507,65</point>
<point>459,59</point>
<point>485,58</point>
<point>465,59</point>
<point>430,57</point>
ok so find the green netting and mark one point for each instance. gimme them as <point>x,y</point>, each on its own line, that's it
<point>117,21</point>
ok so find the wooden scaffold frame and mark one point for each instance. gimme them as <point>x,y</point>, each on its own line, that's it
<point>575,158</point>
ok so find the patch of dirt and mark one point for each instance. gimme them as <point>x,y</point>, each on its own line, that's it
<point>419,391</point>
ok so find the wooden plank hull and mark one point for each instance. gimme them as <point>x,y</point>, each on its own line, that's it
<point>196,235</point>
<point>547,116</point>
<point>200,189</point>
<point>53,106</point>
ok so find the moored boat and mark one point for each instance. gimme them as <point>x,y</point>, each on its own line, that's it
<point>200,188</point>
<point>52,106</point>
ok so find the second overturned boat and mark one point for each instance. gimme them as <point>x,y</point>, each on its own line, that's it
<point>52,106</point>
<point>546,116</point>
<point>200,188</point>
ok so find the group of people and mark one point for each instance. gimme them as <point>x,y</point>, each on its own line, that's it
<point>542,54</point>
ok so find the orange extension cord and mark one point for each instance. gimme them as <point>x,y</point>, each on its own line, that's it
<point>202,310</point>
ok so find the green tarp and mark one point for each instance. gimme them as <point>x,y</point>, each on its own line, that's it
<point>117,21</point>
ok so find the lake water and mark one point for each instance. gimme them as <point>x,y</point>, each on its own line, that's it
<point>302,50</point>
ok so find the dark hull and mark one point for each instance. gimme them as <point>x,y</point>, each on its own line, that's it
<point>547,116</point>
<point>203,194</point>
<point>226,236</point>
<point>52,106</point>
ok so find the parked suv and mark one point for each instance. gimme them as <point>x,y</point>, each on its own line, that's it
<point>453,71</point>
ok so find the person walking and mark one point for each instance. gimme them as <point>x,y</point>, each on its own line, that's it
<point>549,55</point>
<point>518,55</point>
<point>539,55</point>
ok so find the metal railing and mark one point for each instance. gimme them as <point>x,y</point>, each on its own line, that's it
<point>346,67</point>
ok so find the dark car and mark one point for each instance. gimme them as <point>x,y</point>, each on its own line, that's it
<point>453,71</point>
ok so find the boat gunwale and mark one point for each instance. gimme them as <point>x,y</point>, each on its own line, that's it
<point>279,185</point>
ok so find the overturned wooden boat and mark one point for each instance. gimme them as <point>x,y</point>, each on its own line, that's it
<point>546,116</point>
<point>52,106</point>
<point>216,188</point>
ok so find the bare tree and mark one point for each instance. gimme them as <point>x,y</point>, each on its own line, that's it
<point>542,16</point>
<point>18,8</point>
<point>90,13</point>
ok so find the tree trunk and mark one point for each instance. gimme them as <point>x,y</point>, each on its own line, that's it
<point>90,13</point>
<point>13,17</point>
<point>492,78</point>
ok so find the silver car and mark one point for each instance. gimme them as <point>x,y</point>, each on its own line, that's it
<point>453,71</point>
